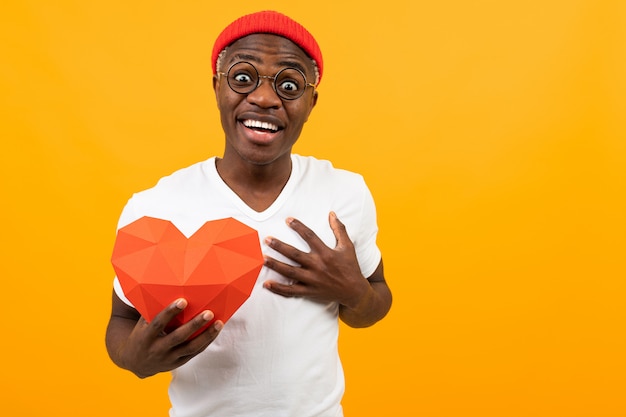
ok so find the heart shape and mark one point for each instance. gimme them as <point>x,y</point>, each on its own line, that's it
<point>214,269</point>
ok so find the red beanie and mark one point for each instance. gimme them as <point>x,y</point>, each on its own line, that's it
<point>268,22</point>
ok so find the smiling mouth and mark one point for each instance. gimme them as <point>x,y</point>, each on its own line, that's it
<point>260,126</point>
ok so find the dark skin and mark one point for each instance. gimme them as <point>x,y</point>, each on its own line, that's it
<point>145,349</point>
<point>256,165</point>
<point>331,275</point>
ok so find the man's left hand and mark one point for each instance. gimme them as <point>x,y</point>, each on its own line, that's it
<point>324,274</point>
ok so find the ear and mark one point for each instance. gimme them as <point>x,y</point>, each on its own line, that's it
<point>216,88</point>
<point>312,104</point>
<point>314,99</point>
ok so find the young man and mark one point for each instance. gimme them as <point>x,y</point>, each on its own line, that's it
<point>277,355</point>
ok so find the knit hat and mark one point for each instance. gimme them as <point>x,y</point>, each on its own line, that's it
<point>272,22</point>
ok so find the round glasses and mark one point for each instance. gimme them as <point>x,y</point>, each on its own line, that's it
<point>288,83</point>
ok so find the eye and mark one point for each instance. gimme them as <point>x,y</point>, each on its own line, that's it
<point>289,86</point>
<point>242,78</point>
<point>290,83</point>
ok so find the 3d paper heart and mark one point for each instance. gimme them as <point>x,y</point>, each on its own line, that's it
<point>213,269</point>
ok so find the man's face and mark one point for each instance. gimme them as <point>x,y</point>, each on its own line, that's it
<point>260,127</point>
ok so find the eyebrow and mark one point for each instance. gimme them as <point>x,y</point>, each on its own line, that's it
<point>293,64</point>
<point>243,57</point>
<point>255,59</point>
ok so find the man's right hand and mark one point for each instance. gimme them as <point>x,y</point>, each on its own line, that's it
<point>146,349</point>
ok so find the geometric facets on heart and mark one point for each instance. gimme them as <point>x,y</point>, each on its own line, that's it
<point>215,268</point>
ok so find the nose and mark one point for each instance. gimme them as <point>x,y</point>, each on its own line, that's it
<point>264,95</point>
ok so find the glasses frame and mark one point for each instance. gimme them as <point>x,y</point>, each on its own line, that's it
<point>268,77</point>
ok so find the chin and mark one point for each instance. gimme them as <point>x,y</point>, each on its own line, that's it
<point>260,158</point>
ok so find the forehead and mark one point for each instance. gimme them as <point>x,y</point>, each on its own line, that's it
<point>268,50</point>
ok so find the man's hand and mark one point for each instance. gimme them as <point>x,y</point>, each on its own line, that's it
<point>323,274</point>
<point>145,349</point>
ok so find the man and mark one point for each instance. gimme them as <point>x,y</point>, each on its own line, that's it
<point>277,355</point>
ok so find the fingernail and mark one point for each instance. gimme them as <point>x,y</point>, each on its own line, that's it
<point>181,303</point>
<point>289,220</point>
<point>219,325</point>
<point>207,315</point>
<point>268,240</point>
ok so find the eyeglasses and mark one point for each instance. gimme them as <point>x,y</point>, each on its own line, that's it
<point>288,83</point>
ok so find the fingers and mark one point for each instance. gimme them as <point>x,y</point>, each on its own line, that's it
<point>286,290</point>
<point>192,338</point>
<point>286,270</point>
<point>306,260</point>
<point>184,332</point>
<point>157,326</point>
<point>309,236</point>
<point>201,336</point>
<point>339,230</point>
<point>283,248</point>
<point>316,245</point>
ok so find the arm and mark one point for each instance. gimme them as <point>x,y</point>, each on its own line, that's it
<point>372,306</point>
<point>326,274</point>
<point>145,349</point>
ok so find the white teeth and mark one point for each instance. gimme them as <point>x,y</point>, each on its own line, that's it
<point>259,124</point>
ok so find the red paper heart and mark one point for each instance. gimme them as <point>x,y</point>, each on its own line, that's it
<point>213,269</point>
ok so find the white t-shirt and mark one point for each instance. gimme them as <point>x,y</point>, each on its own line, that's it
<point>276,356</point>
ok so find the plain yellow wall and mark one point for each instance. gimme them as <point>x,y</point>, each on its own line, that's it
<point>492,135</point>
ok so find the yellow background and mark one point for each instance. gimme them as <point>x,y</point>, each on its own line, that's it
<point>492,135</point>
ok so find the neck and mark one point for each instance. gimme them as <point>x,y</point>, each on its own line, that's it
<point>257,185</point>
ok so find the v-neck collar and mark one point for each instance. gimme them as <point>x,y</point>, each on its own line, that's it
<point>260,216</point>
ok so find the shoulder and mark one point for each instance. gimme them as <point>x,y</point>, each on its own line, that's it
<point>322,171</point>
<point>179,182</point>
<point>185,177</point>
<point>323,185</point>
<point>172,196</point>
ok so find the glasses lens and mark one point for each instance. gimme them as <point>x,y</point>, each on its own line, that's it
<point>243,77</point>
<point>290,83</point>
